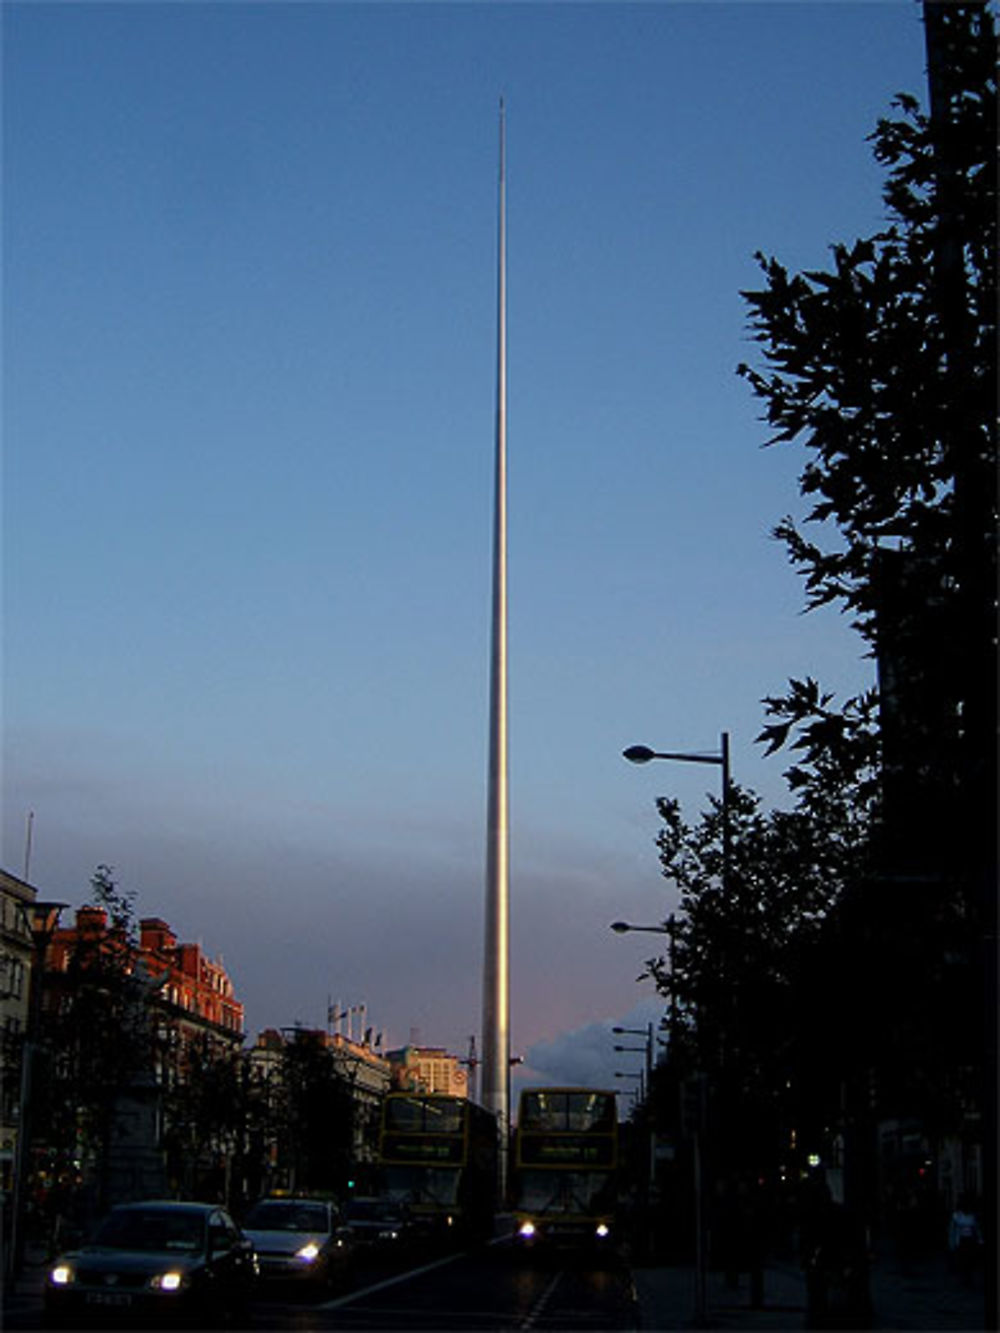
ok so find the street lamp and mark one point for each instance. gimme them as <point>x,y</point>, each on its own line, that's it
<point>669,928</point>
<point>642,754</point>
<point>639,1050</point>
<point>42,921</point>
<point>512,1060</point>
<point>641,1079</point>
<point>620,928</point>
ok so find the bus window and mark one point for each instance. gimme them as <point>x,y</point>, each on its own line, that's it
<point>443,1117</point>
<point>404,1114</point>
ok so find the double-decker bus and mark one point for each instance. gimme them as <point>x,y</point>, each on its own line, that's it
<point>565,1170</point>
<point>438,1158</point>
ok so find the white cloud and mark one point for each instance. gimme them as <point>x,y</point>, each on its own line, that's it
<point>587,1055</point>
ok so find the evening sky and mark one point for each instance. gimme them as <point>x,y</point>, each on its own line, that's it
<point>249,323</point>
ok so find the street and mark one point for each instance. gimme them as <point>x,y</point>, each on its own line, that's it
<point>484,1288</point>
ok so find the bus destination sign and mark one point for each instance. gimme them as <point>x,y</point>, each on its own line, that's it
<point>427,1148</point>
<point>567,1150</point>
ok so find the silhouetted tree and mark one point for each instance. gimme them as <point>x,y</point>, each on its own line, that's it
<point>94,1036</point>
<point>746,935</point>
<point>318,1114</point>
<point>847,926</point>
<point>884,367</point>
<point>205,1112</point>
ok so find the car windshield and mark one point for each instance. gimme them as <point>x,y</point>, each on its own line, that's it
<point>286,1217</point>
<point>152,1229</point>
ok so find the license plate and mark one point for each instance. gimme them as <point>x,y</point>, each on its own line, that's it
<point>108,1298</point>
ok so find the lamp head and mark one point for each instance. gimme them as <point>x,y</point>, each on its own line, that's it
<point>42,918</point>
<point>639,754</point>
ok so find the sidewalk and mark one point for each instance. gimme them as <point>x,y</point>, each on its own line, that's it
<point>25,1294</point>
<point>926,1295</point>
<point>916,1297</point>
<point>667,1300</point>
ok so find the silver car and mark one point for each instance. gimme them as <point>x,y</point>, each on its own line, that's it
<point>300,1240</point>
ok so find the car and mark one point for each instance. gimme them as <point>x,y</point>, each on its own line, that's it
<point>159,1261</point>
<point>300,1240</point>
<point>376,1223</point>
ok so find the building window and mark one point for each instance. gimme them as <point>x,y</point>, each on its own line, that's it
<point>11,977</point>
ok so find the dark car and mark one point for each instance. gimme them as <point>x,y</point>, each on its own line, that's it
<point>376,1223</point>
<point>300,1240</point>
<point>153,1262</point>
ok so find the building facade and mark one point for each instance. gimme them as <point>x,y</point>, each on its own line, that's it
<point>428,1069</point>
<point>16,953</point>
<point>352,1141</point>
<point>179,1016</point>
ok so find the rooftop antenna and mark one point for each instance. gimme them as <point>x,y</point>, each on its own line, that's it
<point>471,1063</point>
<point>496,962</point>
<point>27,846</point>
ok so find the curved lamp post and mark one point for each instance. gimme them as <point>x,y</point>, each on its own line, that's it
<point>641,1094</point>
<point>647,1050</point>
<point>642,754</point>
<point>620,927</point>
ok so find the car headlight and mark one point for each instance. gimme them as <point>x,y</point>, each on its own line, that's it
<point>62,1275</point>
<point>603,1231</point>
<point>172,1281</point>
<point>388,1235</point>
<point>527,1230</point>
<point>308,1253</point>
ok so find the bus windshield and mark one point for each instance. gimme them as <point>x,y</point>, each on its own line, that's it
<point>579,1112</point>
<point>424,1184</point>
<point>584,1192</point>
<point>423,1115</point>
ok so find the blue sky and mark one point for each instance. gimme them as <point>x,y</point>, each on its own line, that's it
<point>249,305</point>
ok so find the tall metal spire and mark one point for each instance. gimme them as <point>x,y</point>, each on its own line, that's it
<point>496,962</point>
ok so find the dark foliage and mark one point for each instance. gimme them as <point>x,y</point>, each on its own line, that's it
<point>319,1116</point>
<point>842,957</point>
<point>93,1032</point>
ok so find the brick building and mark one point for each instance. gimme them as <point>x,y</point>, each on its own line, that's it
<point>196,991</point>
